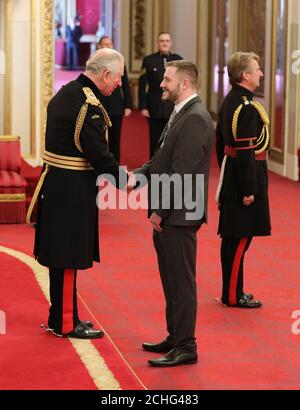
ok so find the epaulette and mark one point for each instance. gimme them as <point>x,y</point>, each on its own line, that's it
<point>90,96</point>
<point>245,100</point>
<point>92,100</point>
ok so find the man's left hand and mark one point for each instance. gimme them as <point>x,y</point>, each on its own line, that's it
<point>156,221</point>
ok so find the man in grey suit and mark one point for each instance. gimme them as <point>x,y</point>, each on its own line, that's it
<point>177,178</point>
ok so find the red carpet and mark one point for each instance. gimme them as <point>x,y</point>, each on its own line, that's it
<point>238,349</point>
<point>37,360</point>
<point>32,358</point>
<point>134,140</point>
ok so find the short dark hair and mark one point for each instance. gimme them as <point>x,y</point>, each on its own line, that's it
<point>187,68</point>
<point>238,64</point>
<point>102,38</point>
<point>163,32</point>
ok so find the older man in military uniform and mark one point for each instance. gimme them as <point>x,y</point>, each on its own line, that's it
<point>242,142</point>
<point>76,152</point>
<point>150,102</point>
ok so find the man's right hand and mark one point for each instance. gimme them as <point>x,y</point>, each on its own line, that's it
<point>131,181</point>
<point>247,200</point>
<point>145,113</point>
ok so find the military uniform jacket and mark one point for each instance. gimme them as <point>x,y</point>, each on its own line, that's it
<point>119,99</point>
<point>67,218</point>
<point>153,71</point>
<point>244,174</point>
<point>186,151</point>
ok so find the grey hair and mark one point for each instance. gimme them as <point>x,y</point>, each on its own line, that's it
<point>238,64</point>
<point>104,59</point>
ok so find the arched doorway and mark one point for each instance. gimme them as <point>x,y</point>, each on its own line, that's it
<point>93,18</point>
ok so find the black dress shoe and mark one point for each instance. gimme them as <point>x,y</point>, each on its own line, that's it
<point>163,347</point>
<point>84,332</point>
<point>244,302</point>
<point>87,323</point>
<point>174,358</point>
<point>249,296</point>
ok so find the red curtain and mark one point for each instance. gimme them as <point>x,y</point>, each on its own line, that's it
<point>89,10</point>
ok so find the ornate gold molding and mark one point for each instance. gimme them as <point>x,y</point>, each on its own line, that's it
<point>9,85</point>
<point>277,154</point>
<point>139,16</point>
<point>160,19</point>
<point>33,78</point>
<point>298,116</point>
<point>297,110</point>
<point>210,53</point>
<point>9,138</point>
<point>252,31</point>
<point>47,62</point>
<point>12,197</point>
<point>198,45</point>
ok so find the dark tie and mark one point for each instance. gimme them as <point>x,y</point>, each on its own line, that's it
<point>169,123</point>
<point>172,116</point>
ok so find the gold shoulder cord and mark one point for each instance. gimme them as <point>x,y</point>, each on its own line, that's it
<point>36,194</point>
<point>264,135</point>
<point>235,120</point>
<point>93,100</point>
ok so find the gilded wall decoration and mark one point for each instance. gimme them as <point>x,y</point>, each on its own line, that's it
<point>278,80</point>
<point>47,64</point>
<point>137,34</point>
<point>139,23</point>
<point>147,19</point>
<point>8,46</point>
<point>33,79</point>
<point>252,29</point>
<point>298,122</point>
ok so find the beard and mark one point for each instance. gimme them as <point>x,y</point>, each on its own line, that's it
<point>171,95</point>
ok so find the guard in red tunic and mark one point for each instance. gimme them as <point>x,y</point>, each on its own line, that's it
<point>76,153</point>
<point>242,139</point>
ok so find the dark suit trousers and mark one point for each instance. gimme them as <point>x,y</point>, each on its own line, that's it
<point>63,312</point>
<point>156,127</point>
<point>114,136</point>
<point>232,256</point>
<point>176,248</point>
<point>72,55</point>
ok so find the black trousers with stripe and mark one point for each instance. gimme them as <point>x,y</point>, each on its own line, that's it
<point>63,312</point>
<point>232,257</point>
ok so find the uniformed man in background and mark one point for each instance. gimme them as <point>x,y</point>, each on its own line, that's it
<point>242,142</point>
<point>117,104</point>
<point>76,152</point>
<point>150,101</point>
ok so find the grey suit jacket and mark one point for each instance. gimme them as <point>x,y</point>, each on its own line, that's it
<point>184,156</point>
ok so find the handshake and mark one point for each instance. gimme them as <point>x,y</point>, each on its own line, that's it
<point>154,218</point>
<point>131,183</point>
